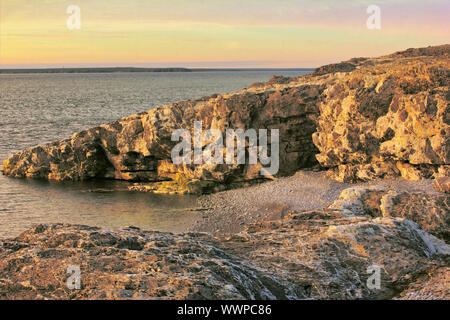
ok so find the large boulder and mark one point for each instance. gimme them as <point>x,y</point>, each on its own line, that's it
<point>430,212</point>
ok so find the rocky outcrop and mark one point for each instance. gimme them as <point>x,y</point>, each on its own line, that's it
<point>126,264</point>
<point>362,119</point>
<point>388,117</point>
<point>326,255</point>
<point>432,285</point>
<point>336,67</point>
<point>430,212</point>
<point>320,254</point>
<point>442,184</point>
<point>138,147</point>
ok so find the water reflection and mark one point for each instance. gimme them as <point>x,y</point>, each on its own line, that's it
<point>98,203</point>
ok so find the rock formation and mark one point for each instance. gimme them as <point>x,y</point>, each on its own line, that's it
<point>387,116</point>
<point>442,184</point>
<point>431,213</point>
<point>320,254</point>
<point>138,147</point>
<point>362,119</point>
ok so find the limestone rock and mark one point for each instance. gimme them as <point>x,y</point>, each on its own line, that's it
<point>389,116</point>
<point>125,264</point>
<point>433,285</point>
<point>336,67</point>
<point>320,254</point>
<point>193,186</point>
<point>442,184</point>
<point>363,119</point>
<point>138,147</point>
<point>431,213</point>
<point>327,255</point>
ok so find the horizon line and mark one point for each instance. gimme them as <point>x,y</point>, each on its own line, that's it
<point>186,64</point>
<point>141,69</point>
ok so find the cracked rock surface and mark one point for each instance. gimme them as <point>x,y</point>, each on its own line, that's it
<point>318,254</point>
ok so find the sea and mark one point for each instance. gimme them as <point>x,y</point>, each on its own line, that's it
<point>42,108</point>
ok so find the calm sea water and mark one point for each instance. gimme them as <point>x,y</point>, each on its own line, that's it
<point>41,108</point>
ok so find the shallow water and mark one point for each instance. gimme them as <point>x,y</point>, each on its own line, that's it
<point>41,108</point>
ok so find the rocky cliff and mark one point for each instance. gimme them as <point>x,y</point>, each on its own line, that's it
<point>320,254</point>
<point>361,119</point>
<point>387,116</point>
<point>138,147</point>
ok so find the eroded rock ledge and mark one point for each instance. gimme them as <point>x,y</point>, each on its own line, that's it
<point>362,119</point>
<point>320,254</point>
<point>389,116</point>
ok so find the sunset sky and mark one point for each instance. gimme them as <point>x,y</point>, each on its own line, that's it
<point>213,33</point>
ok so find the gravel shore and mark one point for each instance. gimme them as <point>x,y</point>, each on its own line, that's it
<point>231,211</point>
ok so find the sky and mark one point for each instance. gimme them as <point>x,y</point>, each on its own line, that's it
<point>213,33</point>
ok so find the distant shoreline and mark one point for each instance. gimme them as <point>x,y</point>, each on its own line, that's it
<point>131,69</point>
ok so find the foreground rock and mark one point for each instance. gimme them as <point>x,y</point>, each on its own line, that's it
<point>319,254</point>
<point>442,184</point>
<point>126,263</point>
<point>370,118</point>
<point>433,285</point>
<point>431,213</point>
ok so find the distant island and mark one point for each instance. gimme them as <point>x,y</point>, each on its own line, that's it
<point>133,69</point>
<point>93,70</point>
